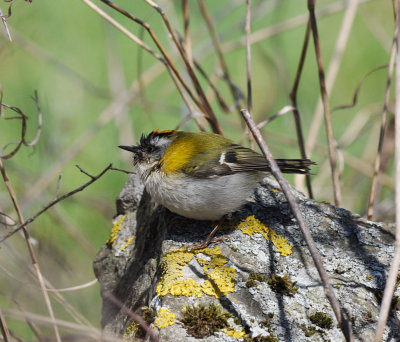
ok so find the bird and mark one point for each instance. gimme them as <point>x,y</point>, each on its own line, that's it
<point>200,175</point>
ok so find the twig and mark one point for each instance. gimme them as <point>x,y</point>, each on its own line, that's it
<point>166,61</point>
<point>3,18</point>
<point>74,288</point>
<point>324,97</point>
<point>49,205</point>
<point>131,314</point>
<point>283,111</point>
<point>116,24</point>
<point>248,57</point>
<point>84,172</point>
<point>31,325</point>
<point>394,268</point>
<point>293,98</point>
<point>117,106</point>
<point>348,20</point>
<point>186,30</point>
<point>284,26</point>
<point>358,88</point>
<point>23,117</point>
<point>197,65</point>
<point>35,140</point>
<point>203,104</point>
<point>122,170</point>
<point>210,116</point>
<point>344,324</point>
<point>4,328</point>
<point>32,253</point>
<point>382,133</point>
<point>220,54</point>
<point>89,332</point>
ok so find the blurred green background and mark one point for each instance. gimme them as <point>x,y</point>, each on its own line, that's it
<point>83,69</point>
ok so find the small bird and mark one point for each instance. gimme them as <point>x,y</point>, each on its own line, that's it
<point>202,176</point>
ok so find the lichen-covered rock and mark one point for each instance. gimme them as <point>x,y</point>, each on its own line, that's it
<point>261,276</point>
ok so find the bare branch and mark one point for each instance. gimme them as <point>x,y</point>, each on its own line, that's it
<point>293,98</point>
<point>131,314</point>
<point>394,268</point>
<point>344,324</point>
<point>383,128</point>
<point>325,102</point>
<point>49,205</point>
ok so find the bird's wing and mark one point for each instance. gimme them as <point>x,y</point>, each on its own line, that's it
<point>233,159</point>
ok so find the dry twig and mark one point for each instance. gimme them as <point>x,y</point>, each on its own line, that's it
<point>293,98</point>
<point>325,101</point>
<point>32,253</point>
<point>383,128</point>
<point>344,324</point>
<point>55,201</point>
<point>394,267</point>
<point>131,314</point>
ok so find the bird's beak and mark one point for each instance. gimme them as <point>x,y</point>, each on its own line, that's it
<point>128,148</point>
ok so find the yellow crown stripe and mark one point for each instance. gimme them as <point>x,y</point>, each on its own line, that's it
<point>157,131</point>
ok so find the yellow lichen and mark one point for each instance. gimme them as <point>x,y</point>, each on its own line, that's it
<point>220,279</point>
<point>127,243</point>
<point>117,226</point>
<point>234,333</point>
<point>164,318</point>
<point>220,282</point>
<point>252,226</point>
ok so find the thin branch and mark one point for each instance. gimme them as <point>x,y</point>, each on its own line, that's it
<point>383,128</point>
<point>293,98</point>
<point>3,18</point>
<point>248,56</point>
<point>394,268</point>
<point>31,325</point>
<point>116,24</point>
<point>166,61</point>
<point>325,102</point>
<point>344,324</point>
<point>350,8</point>
<point>4,328</point>
<point>358,88</point>
<point>283,111</point>
<point>32,253</point>
<point>23,117</point>
<point>40,122</point>
<point>74,288</point>
<point>131,314</point>
<point>205,105</point>
<point>49,205</point>
<point>221,58</point>
<point>88,332</point>
<point>122,170</point>
<point>186,30</point>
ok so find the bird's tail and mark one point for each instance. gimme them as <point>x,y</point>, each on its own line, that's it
<point>295,165</point>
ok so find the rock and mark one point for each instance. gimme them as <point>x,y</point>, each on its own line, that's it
<point>261,277</point>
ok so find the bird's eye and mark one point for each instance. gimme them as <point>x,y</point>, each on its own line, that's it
<point>150,149</point>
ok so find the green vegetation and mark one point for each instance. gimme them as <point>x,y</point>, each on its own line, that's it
<point>255,278</point>
<point>201,321</point>
<point>282,285</point>
<point>322,319</point>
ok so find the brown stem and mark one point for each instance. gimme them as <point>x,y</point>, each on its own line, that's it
<point>344,324</point>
